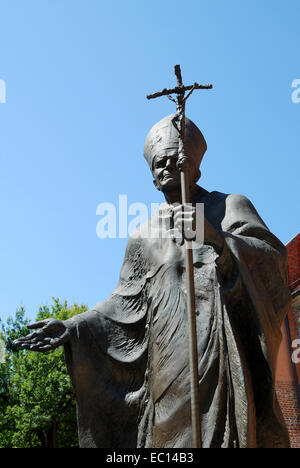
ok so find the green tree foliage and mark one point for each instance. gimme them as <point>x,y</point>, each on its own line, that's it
<point>37,404</point>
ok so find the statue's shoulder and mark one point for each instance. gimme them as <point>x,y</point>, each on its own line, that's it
<point>148,230</point>
<point>138,236</point>
<point>223,209</point>
<point>232,198</point>
<point>232,201</point>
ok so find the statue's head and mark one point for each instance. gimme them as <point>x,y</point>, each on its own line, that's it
<point>161,153</point>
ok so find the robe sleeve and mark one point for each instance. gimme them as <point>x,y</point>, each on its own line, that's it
<point>106,357</point>
<point>253,284</point>
<point>255,252</point>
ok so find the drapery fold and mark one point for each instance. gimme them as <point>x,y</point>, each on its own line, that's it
<point>128,356</point>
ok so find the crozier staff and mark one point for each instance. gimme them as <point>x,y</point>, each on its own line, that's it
<point>179,123</point>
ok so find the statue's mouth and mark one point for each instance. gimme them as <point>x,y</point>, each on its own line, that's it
<point>169,177</point>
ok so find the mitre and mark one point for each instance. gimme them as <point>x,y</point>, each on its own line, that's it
<point>163,138</point>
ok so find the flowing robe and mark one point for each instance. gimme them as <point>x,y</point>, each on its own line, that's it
<point>128,357</point>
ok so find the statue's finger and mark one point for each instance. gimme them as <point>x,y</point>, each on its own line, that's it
<point>25,339</point>
<point>40,341</point>
<point>184,218</point>
<point>49,346</point>
<point>25,345</point>
<point>55,342</point>
<point>17,342</point>
<point>30,341</point>
<point>44,349</point>
<point>184,215</point>
<point>39,324</point>
<point>177,209</point>
<point>36,346</point>
<point>60,340</point>
<point>35,336</point>
<point>183,208</point>
<point>32,336</point>
<point>46,340</point>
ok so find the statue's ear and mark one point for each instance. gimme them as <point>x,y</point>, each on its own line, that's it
<point>156,184</point>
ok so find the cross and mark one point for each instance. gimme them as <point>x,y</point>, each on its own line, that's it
<point>180,91</point>
<point>179,123</point>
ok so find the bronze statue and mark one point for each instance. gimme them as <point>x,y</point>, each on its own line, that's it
<point>128,357</point>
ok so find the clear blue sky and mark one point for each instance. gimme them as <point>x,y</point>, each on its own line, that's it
<point>75,119</point>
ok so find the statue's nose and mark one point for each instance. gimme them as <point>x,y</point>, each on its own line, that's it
<point>169,163</point>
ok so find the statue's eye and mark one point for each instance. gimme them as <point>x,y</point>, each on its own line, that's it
<point>160,163</point>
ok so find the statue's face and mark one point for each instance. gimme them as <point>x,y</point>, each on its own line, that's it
<point>165,173</point>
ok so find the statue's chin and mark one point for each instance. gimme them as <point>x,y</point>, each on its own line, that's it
<point>170,185</point>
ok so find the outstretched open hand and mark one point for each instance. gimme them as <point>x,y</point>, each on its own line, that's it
<point>52,334</point>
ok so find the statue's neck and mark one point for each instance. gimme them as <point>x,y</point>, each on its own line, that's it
<point>175,196</point>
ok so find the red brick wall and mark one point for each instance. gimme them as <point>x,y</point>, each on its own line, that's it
<point>287,399</point>
<point>286,380</point>
<point>293,250</point>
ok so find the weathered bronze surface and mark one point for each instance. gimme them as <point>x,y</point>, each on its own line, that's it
<point>128,357</point>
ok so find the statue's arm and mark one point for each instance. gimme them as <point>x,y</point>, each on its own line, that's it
<point>51,333</point>
<point>251,250</point>
<point>239,231</point>
<point>242,221</point>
